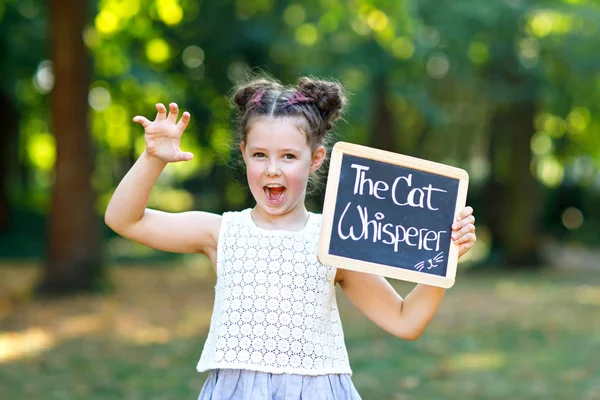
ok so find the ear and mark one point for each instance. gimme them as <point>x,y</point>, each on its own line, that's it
<point>243,150</point>
<point>317,158</point>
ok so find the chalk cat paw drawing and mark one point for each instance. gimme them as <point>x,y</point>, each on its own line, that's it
<point>433,262</point>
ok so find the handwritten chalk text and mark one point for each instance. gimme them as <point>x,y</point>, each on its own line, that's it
<point>416,197</point>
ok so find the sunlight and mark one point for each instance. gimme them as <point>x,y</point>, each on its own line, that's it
<point>149,335</point>
<point>307,34</point>
<point>403,48</point>
<point>552,124</point>
<point>220,139</point>
<point>541,144</point>
<point>192,56</point>
<point>377,20</point>
<point>107,22</point>
<point>30,342</point>
<point>550,171</point>
<point>117,130</point>
<point>589,295</point>
<point>516,292</point>
<point>157,50</point>
<point>478,361</point>
<point>99,98</point>
<point>42,150</point>
<point>79,326</point>
<point>171,200</point>
<point>328,22</point>
<point>169,11</point>
<point>294,15</point>
<point>360,26</point>
<point>577,120</point>
<point>478,52</point>
<point>545,22</point>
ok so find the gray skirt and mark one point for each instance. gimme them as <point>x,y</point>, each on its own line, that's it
<point>236,384</point>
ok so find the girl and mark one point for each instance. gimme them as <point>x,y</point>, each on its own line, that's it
<point>275,331</point>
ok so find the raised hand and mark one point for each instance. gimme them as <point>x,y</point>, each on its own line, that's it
<point>463,231</point>
<point>163,135</point>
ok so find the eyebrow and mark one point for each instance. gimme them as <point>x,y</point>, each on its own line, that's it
<point>289,150</point>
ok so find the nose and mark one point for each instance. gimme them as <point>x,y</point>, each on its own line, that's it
<point>273,169</point>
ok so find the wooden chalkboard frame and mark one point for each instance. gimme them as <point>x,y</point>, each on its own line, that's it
<point>331,192</point>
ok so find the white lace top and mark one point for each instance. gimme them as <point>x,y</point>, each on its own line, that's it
<point>275,307</point>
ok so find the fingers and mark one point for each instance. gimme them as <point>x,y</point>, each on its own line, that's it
<point>162,112</point>
<point>185,156</point>
<point>184,121</point>
<point>465,212</point>
<point>466,246</point>
<point>173,113</point>
<point>463,222</point>
<point>459,237</point>
<point>162,116</point>
<point>468,239</point>
<point>141,120</point>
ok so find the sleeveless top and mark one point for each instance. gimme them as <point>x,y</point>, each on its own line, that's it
<point>275,307</point>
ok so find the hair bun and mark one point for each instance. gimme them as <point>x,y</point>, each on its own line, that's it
<point>245,92</point>
<point>329,97</point>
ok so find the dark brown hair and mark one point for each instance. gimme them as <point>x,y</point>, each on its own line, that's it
<point>318,103</point>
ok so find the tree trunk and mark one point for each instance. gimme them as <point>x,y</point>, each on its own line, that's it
<point>513,196</point>
<point>74,251</point>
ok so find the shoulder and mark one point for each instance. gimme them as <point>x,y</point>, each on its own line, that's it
<point>235,218</point>
<point>315,219</point>
<point>236,215</point>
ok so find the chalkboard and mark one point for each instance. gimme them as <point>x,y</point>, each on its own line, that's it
<point>391,215</point>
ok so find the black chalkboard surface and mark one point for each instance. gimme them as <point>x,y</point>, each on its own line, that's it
<point>391,215</point>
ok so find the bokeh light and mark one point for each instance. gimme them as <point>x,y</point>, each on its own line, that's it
<point>44,77</point>
<point>572,218</point>
<point>550,171</point>
<point>578,120</point>
<point>294,15</point>
<point>41,148</point>
<point>237,70</point>
<point>157,50</point>
<point>307,34</point>
<point>541,144</point>
<point>438,66</point>
<point>192,56</point>
<point>169,11</point>
<point>107,22</point>
<point>99,98</point>
<point>377,20</point>
<point>478,52</point>
<point>403,48</point>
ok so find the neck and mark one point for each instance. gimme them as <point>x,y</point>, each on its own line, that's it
<point>294,220</point>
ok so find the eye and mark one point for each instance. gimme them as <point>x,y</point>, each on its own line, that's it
<point>289,157</point>
<point>258,155</point>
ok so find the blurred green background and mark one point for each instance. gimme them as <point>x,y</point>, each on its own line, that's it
<point>509,90</point>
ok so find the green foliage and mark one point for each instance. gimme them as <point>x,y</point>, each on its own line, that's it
<point>446,68</point>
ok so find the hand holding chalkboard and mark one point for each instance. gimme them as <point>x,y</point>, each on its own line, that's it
<point>391,215</point>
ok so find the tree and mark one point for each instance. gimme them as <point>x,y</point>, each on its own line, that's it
<point>74,253</point>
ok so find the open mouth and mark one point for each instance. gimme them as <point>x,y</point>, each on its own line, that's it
<point>274,193</point>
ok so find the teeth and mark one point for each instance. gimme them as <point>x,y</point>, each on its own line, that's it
<point>273,185</point>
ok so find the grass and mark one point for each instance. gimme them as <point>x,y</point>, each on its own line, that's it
<point>496,336</point>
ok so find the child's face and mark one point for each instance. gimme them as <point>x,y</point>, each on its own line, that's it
<point>278,163</point>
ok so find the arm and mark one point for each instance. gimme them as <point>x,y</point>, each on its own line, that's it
<point>126,214</point>
<point>405,318</point>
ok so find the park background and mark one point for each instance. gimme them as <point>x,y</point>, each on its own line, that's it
<point>509,90</point>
